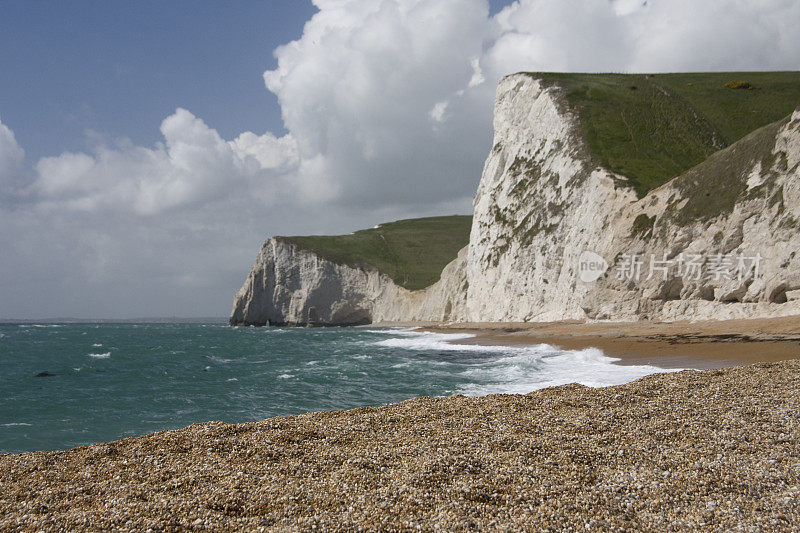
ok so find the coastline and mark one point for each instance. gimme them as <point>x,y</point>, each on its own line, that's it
<point>697,345</point>
<point>716,449</point>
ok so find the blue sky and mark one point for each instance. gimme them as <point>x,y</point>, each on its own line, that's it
<point>148,148</point>
<point>118,68</point>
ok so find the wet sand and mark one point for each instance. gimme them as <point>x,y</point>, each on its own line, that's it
<point>708,344</point>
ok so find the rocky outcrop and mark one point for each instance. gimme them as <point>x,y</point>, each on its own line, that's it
<point>556,236</point>
<point>289,285</point>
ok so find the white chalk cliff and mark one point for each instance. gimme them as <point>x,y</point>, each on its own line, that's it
<point>541,203</point>
<point>289,285</point>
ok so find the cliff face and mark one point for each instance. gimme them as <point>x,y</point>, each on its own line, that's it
<point>539,204</point>
<point>289,285</point>
<point>556,236</point>
<point>542,203</point>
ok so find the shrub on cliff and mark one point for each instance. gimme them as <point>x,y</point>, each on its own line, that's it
<point>739,85</point>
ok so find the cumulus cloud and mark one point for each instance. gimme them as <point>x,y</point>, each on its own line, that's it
<point>193,165</point>
<point>359,90</point>
<point>563,35</point>
<point>644,36</point>
<point>682,35</point>
<point>387,104</point>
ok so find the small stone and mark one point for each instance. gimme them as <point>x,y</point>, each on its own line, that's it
<point>495,463</point>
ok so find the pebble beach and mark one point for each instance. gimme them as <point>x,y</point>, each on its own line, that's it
<point>715,449</point>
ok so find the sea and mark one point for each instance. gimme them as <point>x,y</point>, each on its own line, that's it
<point>64,385</point>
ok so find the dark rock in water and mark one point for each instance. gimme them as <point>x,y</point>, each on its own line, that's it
<point>44,375</point>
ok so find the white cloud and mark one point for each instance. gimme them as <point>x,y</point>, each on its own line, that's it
<point>271,152</point>
<point>11,157</point>
<point>388,108</point>
<point>477,74</point>
<point>626,7</point>
<point>563,35</point>
<point>359,88</point>
<point>439,110</point>
<point>194,165</point>
<point>639,36</point>
<point>684,35</point>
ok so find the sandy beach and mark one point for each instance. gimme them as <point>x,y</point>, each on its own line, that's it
<point>715,449</point>
<point>709,344</point>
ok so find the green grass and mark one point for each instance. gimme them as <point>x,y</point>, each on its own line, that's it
<point>643,226</point>
<point>715,185</point>
<point>651,128</point>
<point>412,252</point>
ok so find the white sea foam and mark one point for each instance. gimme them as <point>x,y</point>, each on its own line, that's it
<point>219,359</point>
<point>428,341</point>
<point>100,355</point>
<point>12,424</point>
<point>522,369</point>
<point>286,376</point>
<point>97,345</point>
<point>389,331</point>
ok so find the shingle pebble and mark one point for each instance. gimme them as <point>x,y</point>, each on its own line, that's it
<point>716,450</point>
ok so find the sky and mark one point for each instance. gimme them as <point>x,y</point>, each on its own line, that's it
<point>148,148</point>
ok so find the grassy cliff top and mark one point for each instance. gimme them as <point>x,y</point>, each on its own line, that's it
<point>412,252</point>
<point>653,127</point>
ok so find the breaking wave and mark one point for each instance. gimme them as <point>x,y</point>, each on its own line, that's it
<point>517,369</point>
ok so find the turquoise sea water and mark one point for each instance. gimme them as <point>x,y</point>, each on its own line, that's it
<point>109,381</point>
